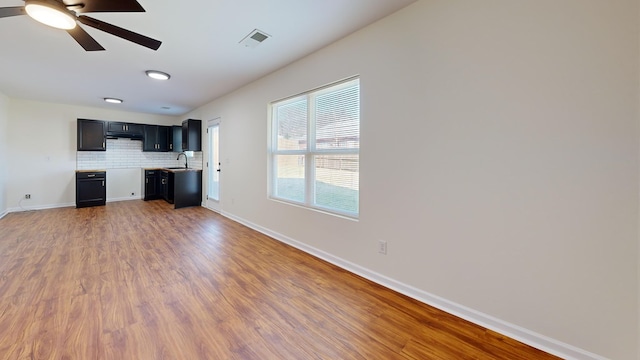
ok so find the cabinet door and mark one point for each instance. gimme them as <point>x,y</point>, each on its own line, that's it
<point>192,135</point>
<point>175,143</point>
<point>135,129</point>
<point>150,187</point>
<point>167,186</point>
<point>163,138</point>
<point>150,141</point>
<point>164,186</point>
<point>117,127</point>
<point>91,190</point>
<point>91,135</point>
<point>122,129</point>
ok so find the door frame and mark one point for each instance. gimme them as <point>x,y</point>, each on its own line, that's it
<point>210,203</point>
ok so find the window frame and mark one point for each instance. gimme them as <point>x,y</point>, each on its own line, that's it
<point>311,150</point>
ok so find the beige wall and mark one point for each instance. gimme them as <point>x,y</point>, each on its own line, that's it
<point>42,150</point>
<point>4,120</point>
<point>499,160</point>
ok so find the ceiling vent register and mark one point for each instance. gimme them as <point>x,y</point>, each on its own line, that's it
<point>255,38</point>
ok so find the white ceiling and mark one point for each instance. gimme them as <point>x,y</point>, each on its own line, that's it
<point>200,49</point>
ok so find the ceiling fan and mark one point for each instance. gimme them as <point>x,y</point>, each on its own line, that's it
<point>63,14</point>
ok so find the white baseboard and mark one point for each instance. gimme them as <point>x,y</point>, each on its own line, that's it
<point>39,207</point>
<point>516,332</point>
<point>4,213</point>
<point>126,198</point>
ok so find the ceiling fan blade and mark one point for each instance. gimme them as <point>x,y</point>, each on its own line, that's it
<point>120,32</point>
<point>12,11</point>
<point>84,39</point>
<point>86,6</point>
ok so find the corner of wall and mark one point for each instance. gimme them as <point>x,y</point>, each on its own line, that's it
<point>4,124</point>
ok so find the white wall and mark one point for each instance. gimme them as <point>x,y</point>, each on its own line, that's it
<point>42,150</point>
<point>4,138</point>
<point>499,160</point>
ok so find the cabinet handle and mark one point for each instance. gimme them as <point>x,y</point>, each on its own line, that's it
<point>102,183</point>
<point>170,146</point>
<point>91,175</point>
<point>147,180</point>
<point>103,144</point>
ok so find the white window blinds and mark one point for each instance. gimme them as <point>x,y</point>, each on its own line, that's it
<point>315,142</point>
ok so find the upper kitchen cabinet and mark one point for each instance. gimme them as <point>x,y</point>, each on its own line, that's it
<point>175,138</point>
<point>91,135</point>
<point>192,135</point>
<point>124,130</point>
<point>156,138</point>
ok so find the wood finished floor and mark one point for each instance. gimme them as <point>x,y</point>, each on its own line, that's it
<point>139,280</point>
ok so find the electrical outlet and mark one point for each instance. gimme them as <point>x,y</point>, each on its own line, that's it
<point>27,196</point>
<point>382,247</point>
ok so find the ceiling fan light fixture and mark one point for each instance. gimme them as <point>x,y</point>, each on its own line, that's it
<point>50,13</point>
<point>113,100</point>
<point>158,75</point>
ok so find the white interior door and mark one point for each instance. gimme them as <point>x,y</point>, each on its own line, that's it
<point>213,165</point>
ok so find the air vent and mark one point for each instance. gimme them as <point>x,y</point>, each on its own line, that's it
<point>255,38</point>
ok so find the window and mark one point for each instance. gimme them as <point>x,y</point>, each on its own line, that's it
<point>315,148</point>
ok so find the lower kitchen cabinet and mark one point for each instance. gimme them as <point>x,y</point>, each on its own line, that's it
<point>180,187</point>
<point>166,184</point>
<point>152,185</point>
<point>91,188</point>
<point>187,188</point>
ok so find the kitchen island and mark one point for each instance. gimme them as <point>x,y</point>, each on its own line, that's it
<point>179,186</point>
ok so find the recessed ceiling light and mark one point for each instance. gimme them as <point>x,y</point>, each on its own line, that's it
<point>113,100</point>
<point>50,13</point>
<point>158,75</point>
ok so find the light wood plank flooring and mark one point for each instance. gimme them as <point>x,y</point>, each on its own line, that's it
<point>139,280</point>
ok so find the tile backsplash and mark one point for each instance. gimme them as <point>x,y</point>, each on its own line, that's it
<point>127,153</point>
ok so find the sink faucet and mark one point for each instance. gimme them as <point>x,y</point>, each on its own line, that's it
<point>186,166</point>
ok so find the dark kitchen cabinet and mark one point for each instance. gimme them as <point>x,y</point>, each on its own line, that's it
<point>124,130</point>
<point>152,185</point>
<point>192,135</point>
<point>175,135</point>
<point>91,189</point>
<point>156,138</point>
<point>163,137</point>
<point>166,184</point>
<point>187,188</point>
<point>91,135</point>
